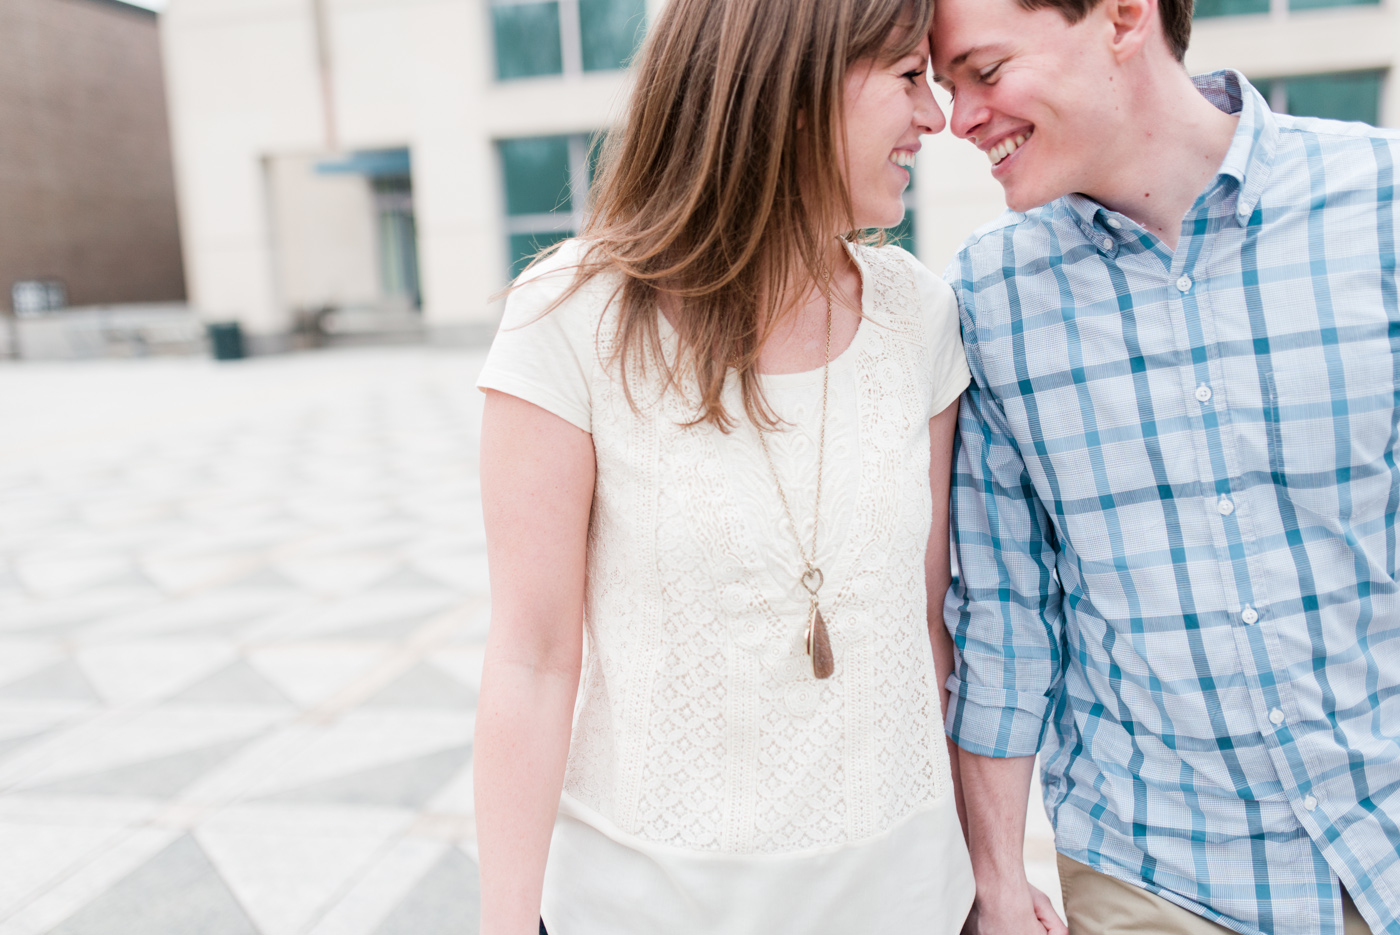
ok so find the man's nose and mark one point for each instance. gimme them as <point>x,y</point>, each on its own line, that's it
<point>968,115</point>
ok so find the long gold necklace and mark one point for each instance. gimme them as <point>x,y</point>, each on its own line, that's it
<point>817,639</point>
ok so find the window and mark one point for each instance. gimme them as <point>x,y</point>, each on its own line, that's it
<point>527,39</point>
<point>546,186</point>
<point>389,173</point>
<point>1354,95</point>
<point>564,37</point>
<point>905,233</point>
<point>1317,4</point>
<point>398,238</point>
<point>31,298</point>
<point>1206,8</point>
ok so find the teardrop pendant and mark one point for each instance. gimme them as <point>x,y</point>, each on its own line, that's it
<point>819,646</point>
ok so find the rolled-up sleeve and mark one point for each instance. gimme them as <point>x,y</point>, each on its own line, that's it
<point>1004,610</point>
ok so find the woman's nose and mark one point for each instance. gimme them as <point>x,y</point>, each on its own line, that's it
<point>928,115</point>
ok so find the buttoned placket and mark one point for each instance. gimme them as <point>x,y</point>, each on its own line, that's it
<point>1203,381</point>
<point>1235,528</point>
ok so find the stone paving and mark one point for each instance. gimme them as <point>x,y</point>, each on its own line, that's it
<point>242,612</point>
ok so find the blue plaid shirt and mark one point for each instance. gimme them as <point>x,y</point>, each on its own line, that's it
<point>1175,505</point>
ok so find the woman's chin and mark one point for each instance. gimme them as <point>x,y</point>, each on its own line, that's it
<point>884,220</point>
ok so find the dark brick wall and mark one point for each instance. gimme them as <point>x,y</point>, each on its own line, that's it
<point>87,192</point>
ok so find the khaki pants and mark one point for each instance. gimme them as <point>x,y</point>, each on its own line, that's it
<point>1098,904</point>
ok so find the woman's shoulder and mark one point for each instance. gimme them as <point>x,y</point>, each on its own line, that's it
<point>922,311</point>
<point>550,287</point>
<point>554,270</point>
<point>903,288</point>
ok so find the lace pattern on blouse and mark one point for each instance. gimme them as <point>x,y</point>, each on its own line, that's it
<point>699,724</point>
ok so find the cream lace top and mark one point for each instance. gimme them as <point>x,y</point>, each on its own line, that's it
<point>713,785</point>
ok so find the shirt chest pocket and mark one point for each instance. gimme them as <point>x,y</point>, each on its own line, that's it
<point>1329,432</point>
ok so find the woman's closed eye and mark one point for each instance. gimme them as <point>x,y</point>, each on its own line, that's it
<point>988,74</point>
<point>919,70</point>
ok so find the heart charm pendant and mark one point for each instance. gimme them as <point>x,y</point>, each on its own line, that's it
<point>812,580</point>
<point>819,647</point>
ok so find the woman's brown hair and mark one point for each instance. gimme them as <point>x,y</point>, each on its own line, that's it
<point>722,191</point>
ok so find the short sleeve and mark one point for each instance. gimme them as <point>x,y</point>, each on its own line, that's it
<point>547,358</point>
<point>938,308</point>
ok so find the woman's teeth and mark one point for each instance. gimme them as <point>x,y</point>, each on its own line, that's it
<point>902,157</point>
<point>1006,147</point>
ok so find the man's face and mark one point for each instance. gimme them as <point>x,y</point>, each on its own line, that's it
<point>1033,92</point>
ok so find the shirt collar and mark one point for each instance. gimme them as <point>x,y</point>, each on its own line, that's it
<point>1250,158</point>
<point>1248,161</point>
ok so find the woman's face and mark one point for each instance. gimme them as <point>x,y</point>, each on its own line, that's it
<point>888,107</point>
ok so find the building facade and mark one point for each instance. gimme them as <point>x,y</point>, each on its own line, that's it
<point>383,154</point>
<point>409,155</point>
<point>86,183</point>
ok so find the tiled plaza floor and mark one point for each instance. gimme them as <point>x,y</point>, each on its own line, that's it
<point>242,610</point>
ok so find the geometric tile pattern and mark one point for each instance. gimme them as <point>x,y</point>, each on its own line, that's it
<point>159,778</point>
<point>178,890</point>
<point>242,611</point>
<point>242,614</point>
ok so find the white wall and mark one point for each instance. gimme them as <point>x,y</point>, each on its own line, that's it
<point>418,73</point>
<point>241,84</point>
<point>323,235</point>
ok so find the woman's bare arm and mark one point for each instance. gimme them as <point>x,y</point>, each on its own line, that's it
<point>937,568</point>
<point>537,473</point>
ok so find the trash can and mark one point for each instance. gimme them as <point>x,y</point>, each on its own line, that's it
<point>226,340</point>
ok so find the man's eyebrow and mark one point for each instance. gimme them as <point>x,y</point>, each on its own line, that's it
<point>959,60</point>
<point>962,59</point>
<point>939,78</point>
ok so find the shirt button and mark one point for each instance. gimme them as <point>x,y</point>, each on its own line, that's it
<point>1310,803</point>
<point>1203,393</point>
<point>1226,506</point>
<point>1276,717</point>
<point>1113,223</point>
<point>1250,615</point>
<point>1184,283</point>
<point>1108,243</point>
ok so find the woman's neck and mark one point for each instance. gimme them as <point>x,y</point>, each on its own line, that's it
<point>797,342</point>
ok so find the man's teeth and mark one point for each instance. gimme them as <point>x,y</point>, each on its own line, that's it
<point>902,157</point>
<point>1006,147</point>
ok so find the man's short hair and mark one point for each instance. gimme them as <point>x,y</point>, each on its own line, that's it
<point>1176,17</point>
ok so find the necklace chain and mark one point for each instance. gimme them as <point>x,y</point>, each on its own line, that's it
<point>810,562</point>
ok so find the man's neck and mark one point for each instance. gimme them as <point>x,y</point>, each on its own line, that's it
<point>1170,150</point>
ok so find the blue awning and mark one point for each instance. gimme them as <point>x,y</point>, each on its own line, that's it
<point>375,163</point>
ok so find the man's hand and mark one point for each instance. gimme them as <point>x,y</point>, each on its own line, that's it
<point>996,791</point>
<point>1046,914</point>
<point>1024,913</point>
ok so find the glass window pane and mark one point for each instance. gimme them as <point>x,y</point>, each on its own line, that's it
<point>1315,4</point>
<point>596,141</point>
<point>523,247</point>
<point>611,31</point>
<point>527,40</point>
<point>537,174</point>
<point>1347,96</point>
<point>1205,8</point>
<point>398,238</point>
<point>1264,86</point>
<point>904,233</point>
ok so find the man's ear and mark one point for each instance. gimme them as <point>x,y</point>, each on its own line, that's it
<point>1134,22</point>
